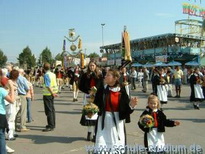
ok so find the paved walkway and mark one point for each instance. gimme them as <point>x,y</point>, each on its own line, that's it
<point>69,136</point>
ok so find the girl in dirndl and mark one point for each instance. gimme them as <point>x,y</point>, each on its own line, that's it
<point>160,89</point>
<point>196,88</point>
<point>92,78</point>
<point>115,108</point>
<point>153,137</point>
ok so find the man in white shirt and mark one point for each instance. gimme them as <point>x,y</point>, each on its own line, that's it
<point>133,76</point>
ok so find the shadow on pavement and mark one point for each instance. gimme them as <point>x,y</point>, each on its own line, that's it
<point>193,120</point>
<point>39,139</point>
<point>69,112</point>
<point>66,103</point>
<point>38,128</point>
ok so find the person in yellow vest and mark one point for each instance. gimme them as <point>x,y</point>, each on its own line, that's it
<point>50,90</point>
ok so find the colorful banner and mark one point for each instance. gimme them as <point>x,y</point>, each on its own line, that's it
<point>193,10</point>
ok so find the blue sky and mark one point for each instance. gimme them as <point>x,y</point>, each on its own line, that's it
<point>44,23</point>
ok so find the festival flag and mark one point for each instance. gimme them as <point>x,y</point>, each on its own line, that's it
<point>79,44</point>
<point>82,60</point>
<point>126,53</point>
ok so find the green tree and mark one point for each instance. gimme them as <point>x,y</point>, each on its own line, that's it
<point>93,55</point>
<point>26,58</point>
<point>59,57</point>
<point>3,58</point>
<point>46,56</point>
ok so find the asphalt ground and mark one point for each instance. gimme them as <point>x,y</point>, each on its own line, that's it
<point>70,137</point>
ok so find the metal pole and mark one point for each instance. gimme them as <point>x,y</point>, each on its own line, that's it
<point>102,35</point>
<point>85,52</point>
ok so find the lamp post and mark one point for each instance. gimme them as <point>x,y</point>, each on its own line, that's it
<point>102,38</point>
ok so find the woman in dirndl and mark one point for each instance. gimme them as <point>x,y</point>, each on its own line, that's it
<point>92,78</point>
<point>115,108</point>
<point>169,83</point>
<point>196,88</point>
<point>160,89</point>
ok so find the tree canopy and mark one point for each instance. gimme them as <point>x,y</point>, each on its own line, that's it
<point>93,55</point>
<point>26,58</point>
<point>3,58</point>
<point>46,56</point>
<point>59,56</point>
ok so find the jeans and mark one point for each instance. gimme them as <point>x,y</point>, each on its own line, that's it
<point>29,109</point>
<point>133,83</point>
<point>2,141</point>
<point>49,110</point>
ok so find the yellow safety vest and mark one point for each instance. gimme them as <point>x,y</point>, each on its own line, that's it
<point>53,84</point>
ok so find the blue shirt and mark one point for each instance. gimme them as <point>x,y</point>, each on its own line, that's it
<point>3,94</point>
<point>22,85</point>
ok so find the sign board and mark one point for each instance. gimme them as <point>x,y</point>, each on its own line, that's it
<point>111,62</point>
<point>118,62</point>
<point>58,62</point>
<point>162,58</point>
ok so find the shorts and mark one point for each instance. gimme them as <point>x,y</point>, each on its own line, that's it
<point>177,82</point>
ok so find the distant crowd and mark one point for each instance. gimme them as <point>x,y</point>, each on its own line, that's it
<point>112,97</point>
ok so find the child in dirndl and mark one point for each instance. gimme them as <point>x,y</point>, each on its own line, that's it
<point>153,134</point>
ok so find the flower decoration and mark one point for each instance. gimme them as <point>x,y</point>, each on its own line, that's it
<point>94,89</point>
<point>147,121</point>
<point>162,81</point>
<point>199,81</point>
<point>90,109</point>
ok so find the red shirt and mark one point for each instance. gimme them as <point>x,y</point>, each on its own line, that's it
<point>154,114</point>
<point>114,98</point>
<point>92,82</point>
<point>59,75</point>
<point>4,81</point>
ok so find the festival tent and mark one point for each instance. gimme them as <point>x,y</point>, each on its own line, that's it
<point>192,63</point>
<point>148,65</point>
<point>136,64</point>
<point>174,63</point>
<point>160,64</point>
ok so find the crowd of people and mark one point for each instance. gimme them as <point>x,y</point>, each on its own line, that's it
<point>112,97</point>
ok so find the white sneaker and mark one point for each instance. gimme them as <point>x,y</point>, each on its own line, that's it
<point>9,150</point>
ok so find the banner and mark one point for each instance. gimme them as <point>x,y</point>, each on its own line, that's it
<point>193,10</point>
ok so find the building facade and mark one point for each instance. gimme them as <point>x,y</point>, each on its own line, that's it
<point>187,44</point>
